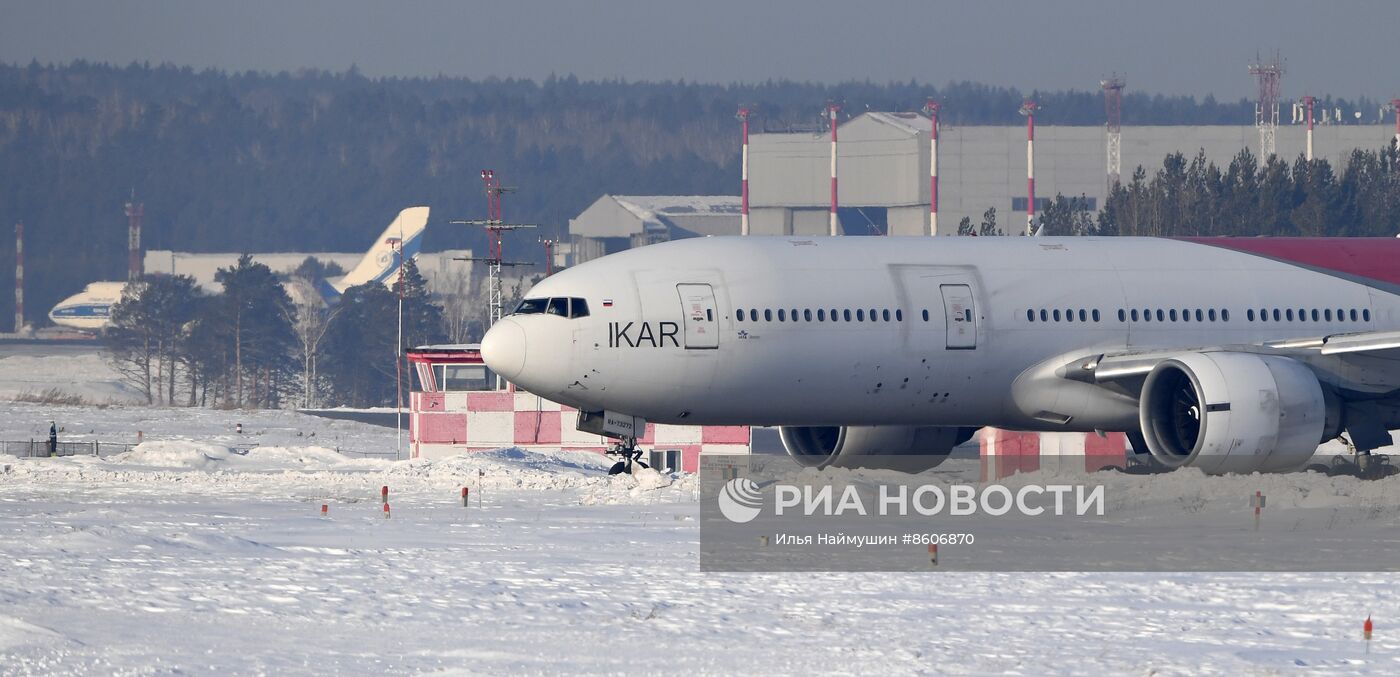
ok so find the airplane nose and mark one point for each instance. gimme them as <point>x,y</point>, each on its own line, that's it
<point>503,348</point>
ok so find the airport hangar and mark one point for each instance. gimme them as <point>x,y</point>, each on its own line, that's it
<point>883,172</point>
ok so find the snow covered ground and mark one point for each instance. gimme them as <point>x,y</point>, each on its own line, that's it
<point>80,371</point>
<point>185,556</point>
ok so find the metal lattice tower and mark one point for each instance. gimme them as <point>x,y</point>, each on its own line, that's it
<point>1268,76</point>
<point>1113,109</point>
<point>495,229</point>
<point>136,264</point>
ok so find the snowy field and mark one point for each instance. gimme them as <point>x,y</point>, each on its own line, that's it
<point>81,371</point>
<point>185,557</point>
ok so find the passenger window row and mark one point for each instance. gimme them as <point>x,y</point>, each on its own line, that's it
<point>1201,315</point>
<point>821,315</point>
<point>561,306</point>
<point>1173,315</point>
<point>1314,314</point>
<point>1066,315</point>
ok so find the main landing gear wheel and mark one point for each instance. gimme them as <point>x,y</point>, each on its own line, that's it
<point>631,455</point>
<point>1362,464</point>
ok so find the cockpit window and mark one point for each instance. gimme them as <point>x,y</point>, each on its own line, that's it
<point>559,305</point>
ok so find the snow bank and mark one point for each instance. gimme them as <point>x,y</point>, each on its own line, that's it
<point>206,456</point>
<point>316,471</point>
<point>15,633</point>
<point>175,454</point>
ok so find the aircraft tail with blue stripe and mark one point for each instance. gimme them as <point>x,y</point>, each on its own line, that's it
<point>381,262</point>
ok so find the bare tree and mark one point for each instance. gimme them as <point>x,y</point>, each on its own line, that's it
<point>309,318</point>
<point>456,293</point>
<point>149,328</point>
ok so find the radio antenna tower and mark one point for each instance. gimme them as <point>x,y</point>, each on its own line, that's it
<point>495,228</point>
<point>135,265</point>
<point>1266,108</point>
<point>1113,108</point>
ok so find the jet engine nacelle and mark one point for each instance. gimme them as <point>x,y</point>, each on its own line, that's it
<point>1228,412</point>
<point>904,448</point>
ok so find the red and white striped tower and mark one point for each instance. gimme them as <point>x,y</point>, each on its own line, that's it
<point>1028,108</point>
<point>1308,149</point>
<point>1395,104</point>
<point>831,109</point>
<point>136,266</point>
<point>744,172</point>
<point>931,108</point>
<point>19,277</point>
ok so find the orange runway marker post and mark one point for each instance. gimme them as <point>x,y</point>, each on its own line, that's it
<point>933,554</point>
<point>1366,630</point>
<point>386,511</point>
<point>325,510</point>
<point>466,496</point>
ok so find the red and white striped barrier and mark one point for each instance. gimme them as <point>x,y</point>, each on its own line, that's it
<point>1005,452</point>
<point>451,423</point>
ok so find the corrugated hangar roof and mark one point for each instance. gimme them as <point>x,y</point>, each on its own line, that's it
<point>625,215</point>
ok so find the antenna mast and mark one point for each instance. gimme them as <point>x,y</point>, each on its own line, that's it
<point>1113,112</point>
<point>495,228</point>
<point>1266,108</point>
<point>136,265</point>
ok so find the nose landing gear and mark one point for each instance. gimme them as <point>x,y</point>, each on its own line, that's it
<point>626,447</point>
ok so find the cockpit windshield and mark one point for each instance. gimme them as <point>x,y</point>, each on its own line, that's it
<point>559,305</point>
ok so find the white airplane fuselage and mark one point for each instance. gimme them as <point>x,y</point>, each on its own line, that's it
<point>690,331</point>
<point>90,309</point>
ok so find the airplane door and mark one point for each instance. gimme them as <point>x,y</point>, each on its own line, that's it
<point>701,318</point>
<point>961,316</point>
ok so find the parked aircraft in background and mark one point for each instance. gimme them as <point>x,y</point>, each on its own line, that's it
<point>91,309</point>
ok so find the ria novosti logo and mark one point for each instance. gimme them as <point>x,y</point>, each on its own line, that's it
<point>740,500</point>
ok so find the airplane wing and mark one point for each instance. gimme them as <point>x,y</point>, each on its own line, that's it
<point>1370,349</point>
<point>1361,372</point>
<point>1384,344</point>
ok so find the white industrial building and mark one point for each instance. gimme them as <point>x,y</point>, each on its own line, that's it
<point>883,167</point>
<point>883,171</point>
<point>617,222</point>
